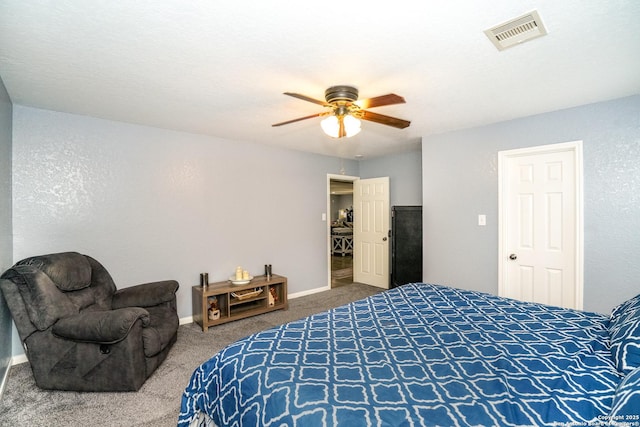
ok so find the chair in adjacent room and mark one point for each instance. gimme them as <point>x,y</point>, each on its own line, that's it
<point>79,332</point>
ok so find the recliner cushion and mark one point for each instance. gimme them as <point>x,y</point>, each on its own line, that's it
<point>162,327</point>
<point>45,303</point>
<point>105,327</point>
<point>83,298</point>
<point>70,271</point>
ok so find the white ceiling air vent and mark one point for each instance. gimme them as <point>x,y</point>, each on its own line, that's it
<point>518,30</point>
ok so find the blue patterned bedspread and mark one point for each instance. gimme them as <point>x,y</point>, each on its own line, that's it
<point>416,355</point>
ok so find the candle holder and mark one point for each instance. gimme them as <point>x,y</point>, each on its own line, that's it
<point>204,279</point>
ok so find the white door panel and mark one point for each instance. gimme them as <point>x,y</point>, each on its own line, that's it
<point>540,223</point>
<point>371,228</point>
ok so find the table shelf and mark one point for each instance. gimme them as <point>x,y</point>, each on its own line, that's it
<point>217,296</point>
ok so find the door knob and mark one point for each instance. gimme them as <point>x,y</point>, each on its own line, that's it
<point>384,239</point>
<point>513,257</point>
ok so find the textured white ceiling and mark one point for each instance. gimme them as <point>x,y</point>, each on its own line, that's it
<point>220,68</point>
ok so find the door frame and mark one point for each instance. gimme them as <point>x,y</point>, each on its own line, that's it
<point>576,148</point>
<point>334,177</point>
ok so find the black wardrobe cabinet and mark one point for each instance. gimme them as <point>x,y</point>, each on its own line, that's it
<point>406,245</point>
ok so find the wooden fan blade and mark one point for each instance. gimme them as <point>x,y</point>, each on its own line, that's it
<point>380,101</point>
<point>306,98</point>
<point>384,120</point>
<point>298,119</point>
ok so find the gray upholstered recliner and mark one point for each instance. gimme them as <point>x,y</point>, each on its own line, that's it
<point>79,332</point>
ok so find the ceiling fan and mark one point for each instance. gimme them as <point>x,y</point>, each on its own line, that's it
<point>345,111</point>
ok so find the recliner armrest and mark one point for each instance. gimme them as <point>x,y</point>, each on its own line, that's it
<point>145,295</point>
<point>102,327</point>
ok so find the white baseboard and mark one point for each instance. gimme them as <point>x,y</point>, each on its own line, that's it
<point>309,292</point>
<point>186,320</point>
<point>4,381</point>
<point>20,358</point>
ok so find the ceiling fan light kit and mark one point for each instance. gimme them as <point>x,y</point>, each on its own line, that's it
<point>343,119</point>
<point>344,94</point>
<point>332,124</point>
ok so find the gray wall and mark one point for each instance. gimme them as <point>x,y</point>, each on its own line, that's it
<point>6,242</point>
<point>153,204</point>
<point>460,182</point>
<point>405,175</point>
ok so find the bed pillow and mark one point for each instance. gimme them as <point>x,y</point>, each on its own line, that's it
<point>620,309</point>
<point>627,399</point>
<point>624,331</point>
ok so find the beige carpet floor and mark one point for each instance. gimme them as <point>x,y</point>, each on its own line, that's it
<point>158,401</point>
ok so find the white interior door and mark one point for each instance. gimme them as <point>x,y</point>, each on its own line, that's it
<point>371,231</point>
<point>541,224</point>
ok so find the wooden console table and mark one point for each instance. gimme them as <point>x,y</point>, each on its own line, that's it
<point>256,297</point>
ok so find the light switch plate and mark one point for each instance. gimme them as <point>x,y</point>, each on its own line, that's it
<point>482,219</point>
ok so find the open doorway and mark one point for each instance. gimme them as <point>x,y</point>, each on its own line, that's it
<point>340,229</point>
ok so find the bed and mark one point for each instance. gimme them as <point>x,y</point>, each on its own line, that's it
<point>424,354</point>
